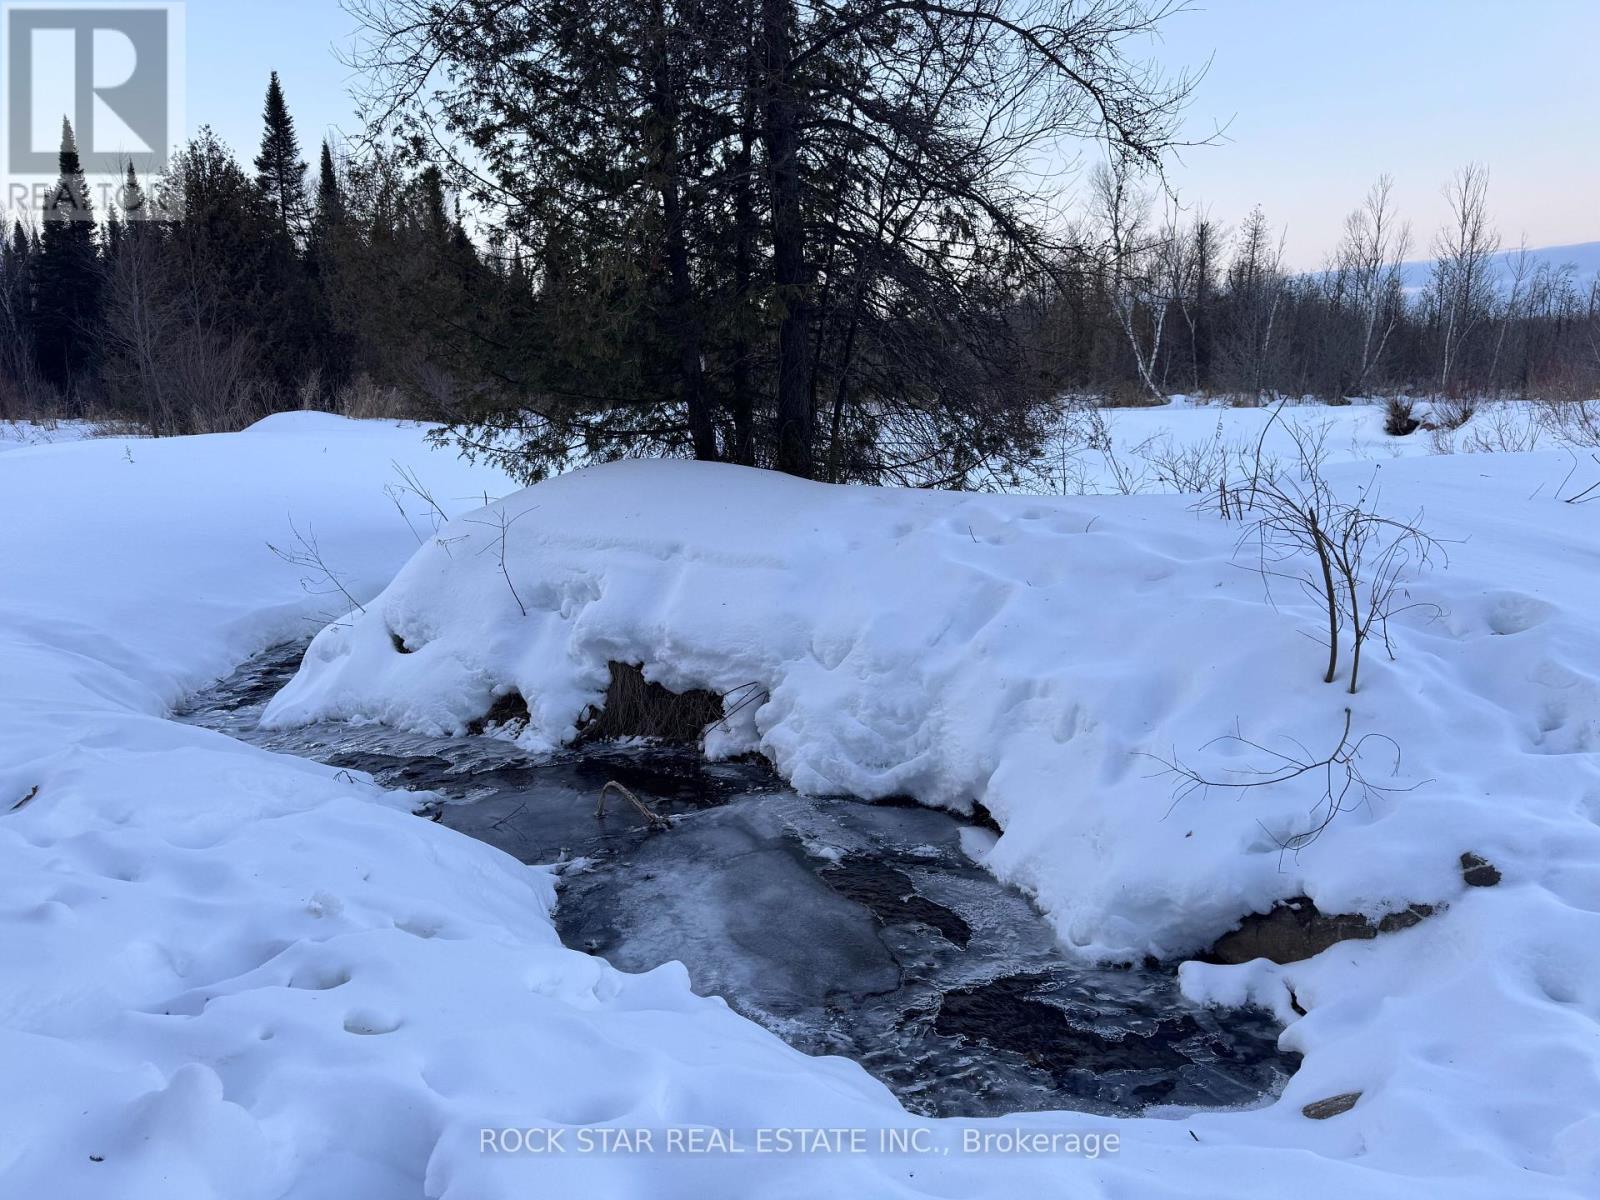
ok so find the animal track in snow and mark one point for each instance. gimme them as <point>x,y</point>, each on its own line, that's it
<point>1511,613</point>
<point>319,978</point>
<point>368,1022</point>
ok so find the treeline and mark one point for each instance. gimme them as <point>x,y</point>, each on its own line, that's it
<point>814,237</point>
<point>788,236</point>
<point>1179,303</point>
<point>215,295</point>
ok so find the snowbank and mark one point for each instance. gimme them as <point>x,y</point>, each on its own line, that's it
<point>1020,653</point>
<point>235,974</point>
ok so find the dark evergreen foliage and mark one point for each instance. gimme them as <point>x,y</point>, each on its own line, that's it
<point>280,173</point>
<point>66,278</point>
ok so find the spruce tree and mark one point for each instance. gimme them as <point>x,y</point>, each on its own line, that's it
<point>286,336</point>
<point>332,347</point>
<point>279,171</point>
<point>20,247</point>
<point>130,212</point>
<point>434,218</point>
<point>328,214</point>
<point>135,205</point>
<point>67,279</point>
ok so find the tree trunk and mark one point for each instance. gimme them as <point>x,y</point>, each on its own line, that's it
<point>840,395</point>
<point>780,136</point>
<point>683,320</point>
<point>744,436</point>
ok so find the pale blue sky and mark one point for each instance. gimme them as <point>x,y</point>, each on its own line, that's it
<point>1319,98</point>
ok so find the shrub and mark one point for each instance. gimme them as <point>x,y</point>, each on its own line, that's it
<point>1400,417</point>
<point>1453,412</point>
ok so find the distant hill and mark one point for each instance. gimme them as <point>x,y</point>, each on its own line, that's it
<point>1584,256</point>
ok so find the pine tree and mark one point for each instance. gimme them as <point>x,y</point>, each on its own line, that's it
<point>279,171</point>
<point>67,279</point>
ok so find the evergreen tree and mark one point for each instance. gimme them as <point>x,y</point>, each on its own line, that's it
<point>332,347</point>
<point>131,207</point>
<point>17,371</point>
<point>222,234</point>
<point>19,248</point>
<point>329,212</point>
<point>721,183</point>
<point>287,334</point>
<point>279,171</point>
<point>133,201</point>
<point>67,279</point>
<point>435,222</point>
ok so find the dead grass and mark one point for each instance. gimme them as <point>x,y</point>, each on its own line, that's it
<point>636,708</point>
<point>1129,395</point>
<point>363,399</point>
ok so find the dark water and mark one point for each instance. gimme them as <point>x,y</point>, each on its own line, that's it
<point>845,927</point>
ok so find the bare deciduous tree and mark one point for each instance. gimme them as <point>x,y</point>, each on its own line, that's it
<point>1257,289</point>
<point>1138,273</point>
<point>1367,263</point>
<point>142,323</point>
<point>1462,290</point>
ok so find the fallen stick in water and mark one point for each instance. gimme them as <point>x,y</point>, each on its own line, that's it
<point>656,820</point>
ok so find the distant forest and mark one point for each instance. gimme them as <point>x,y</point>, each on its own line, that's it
<point>798,236</point>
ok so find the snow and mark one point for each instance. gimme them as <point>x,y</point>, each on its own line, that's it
<point>16,434</point>
<point>1164,448</point>
<point>233,973</point>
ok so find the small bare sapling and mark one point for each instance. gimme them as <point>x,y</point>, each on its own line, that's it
<point>1340,774</point>
<point>502,524</point>
<point>1351,560</point>
<point>320,579</point>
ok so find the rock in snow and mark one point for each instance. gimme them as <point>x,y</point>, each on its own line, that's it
<point>1477,871</point>
<point>1295,931</point>
<point>1321,1110</point>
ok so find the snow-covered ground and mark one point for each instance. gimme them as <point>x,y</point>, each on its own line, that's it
<point>16,434</point>
<point>231,973</point>
<point>1176,446</point>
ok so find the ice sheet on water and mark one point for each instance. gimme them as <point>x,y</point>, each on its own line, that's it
<point>731,893</point>
<point>865,930</point>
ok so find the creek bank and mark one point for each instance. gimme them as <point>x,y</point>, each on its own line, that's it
<point>859,929</point>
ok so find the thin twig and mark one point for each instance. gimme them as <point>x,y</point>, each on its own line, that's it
<point>307,554</point>
<point>1340,770</point>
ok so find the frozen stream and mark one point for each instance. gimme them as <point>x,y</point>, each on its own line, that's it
<point>845,927</point>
